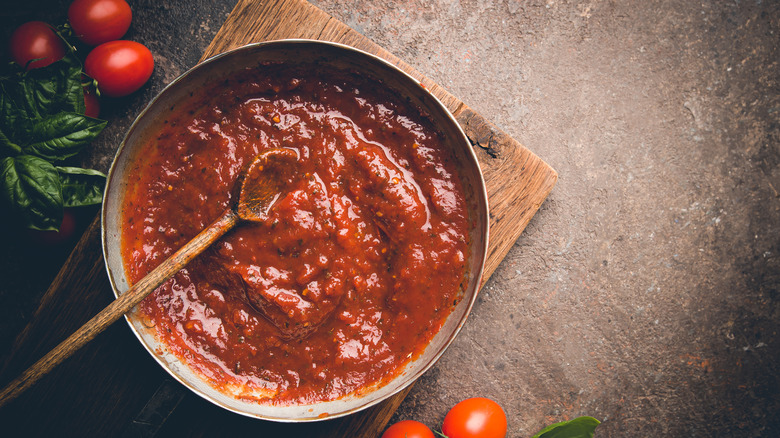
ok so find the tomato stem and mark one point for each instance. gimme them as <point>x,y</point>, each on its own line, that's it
<point>61,31</point>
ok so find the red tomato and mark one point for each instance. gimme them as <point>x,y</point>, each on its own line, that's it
<point>408,429</point>
<point>476,417</point>
<point>53,238</point>
<point>99,21</point>
<point>36,40</point>
<point>91,104</point>
<point>119,67</point>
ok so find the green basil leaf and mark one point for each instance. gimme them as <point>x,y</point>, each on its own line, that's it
<point>26,97</point>
<point>17,116</point>
<point>31,190</point>
<point>56,87</point>
<point>580,427</point>
<point>7,147</point>
<point>62,135</point>
<point>6,106</point>
<point>81,187</point>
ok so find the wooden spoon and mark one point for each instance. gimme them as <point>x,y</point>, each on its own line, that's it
<point>257,192</point>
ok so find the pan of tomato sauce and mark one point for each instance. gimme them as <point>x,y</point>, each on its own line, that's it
<point>366,266</point>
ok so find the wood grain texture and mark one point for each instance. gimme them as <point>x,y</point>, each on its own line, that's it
<point>517,182</point>
<point>111,370</point>
<point>84,263</point>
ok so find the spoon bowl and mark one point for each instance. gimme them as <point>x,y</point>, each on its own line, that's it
<point>259,187</point>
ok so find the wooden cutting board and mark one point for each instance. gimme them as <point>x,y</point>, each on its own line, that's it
<point>106,389</point>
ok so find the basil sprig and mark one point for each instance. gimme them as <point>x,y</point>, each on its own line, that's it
<point>42,123</point>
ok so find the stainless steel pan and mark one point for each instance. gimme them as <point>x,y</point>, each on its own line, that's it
<point>295,52</point>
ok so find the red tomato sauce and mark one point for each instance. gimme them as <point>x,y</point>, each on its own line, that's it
<point>357,265</point>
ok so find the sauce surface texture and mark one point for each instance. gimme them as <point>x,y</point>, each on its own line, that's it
<point>358,264</point>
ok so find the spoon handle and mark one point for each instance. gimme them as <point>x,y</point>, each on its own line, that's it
<point>121,305</point>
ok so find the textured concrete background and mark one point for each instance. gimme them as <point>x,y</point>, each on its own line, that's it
<point>645,291</point>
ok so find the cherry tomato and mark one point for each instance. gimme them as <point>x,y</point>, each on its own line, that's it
<point>119,67</point>
<point>91,104</point>
<point>54,238</point>
<point>99,21</point>
<point>36,40</point>
<point>476,417</point>
<point>408,429</point>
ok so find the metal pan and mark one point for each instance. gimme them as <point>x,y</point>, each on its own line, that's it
<point>295,52</point>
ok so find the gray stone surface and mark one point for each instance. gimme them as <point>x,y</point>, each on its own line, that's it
<point>645,291</point>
